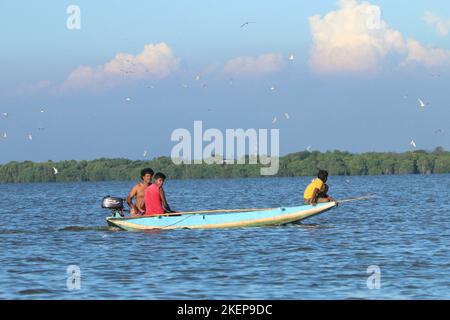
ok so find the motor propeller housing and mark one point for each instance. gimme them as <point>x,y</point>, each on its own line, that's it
<point>115,204</point>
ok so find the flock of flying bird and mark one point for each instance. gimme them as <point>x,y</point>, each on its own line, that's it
<point>421,103</point>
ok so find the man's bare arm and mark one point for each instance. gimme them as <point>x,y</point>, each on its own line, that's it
<point>164,200</point>
<point>130,197</point>
<point>314,196</point>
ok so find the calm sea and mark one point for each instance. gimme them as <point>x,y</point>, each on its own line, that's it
<point>396,246</point>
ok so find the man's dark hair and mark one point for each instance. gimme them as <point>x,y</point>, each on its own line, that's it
<point>145,171</point>
<point>322,175</point>
<point>159,175</point>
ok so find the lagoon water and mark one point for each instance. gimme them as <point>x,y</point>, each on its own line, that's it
<point>404,233</point>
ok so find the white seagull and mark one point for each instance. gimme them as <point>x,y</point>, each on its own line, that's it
<point>286,115</point>
<point>128,99</point>
<point>274,119</point>
<point>55,170</point>
<point>308,148</point>
<point>145,153</point>
<point>421,103</point>
<point>413,143</point>
<point>291,57</point>
<point>30,137</point>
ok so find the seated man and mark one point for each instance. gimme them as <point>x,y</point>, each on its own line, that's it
<point>138,191</point>
<point>155,199</point>
<point>316,191</point>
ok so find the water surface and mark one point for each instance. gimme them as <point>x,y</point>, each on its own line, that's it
<point>405,232</point>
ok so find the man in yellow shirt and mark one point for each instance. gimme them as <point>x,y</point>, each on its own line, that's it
<point>316,191</point>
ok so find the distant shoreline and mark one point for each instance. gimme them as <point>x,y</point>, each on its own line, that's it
<point>304,163</point>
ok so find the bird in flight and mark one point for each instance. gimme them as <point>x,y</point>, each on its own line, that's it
<point>421,103</point>
<point>413,143</point>
<point>55,170</point>
<point>246,23</point>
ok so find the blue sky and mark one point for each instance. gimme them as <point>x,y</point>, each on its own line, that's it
<point>366,100</point>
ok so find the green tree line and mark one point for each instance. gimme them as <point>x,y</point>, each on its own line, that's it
<point>295,164</point>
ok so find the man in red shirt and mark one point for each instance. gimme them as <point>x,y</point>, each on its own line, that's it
<point>155,199</point>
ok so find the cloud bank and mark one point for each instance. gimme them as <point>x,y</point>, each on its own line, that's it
<point>156,61</point>
<point>254,66</point>
<point>355,38</point>
<point>442,26</point>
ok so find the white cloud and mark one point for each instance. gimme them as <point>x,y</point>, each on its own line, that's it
<point>39,86</point>
<point>355,38</point>
<point>442,26</point>
<point>42,84</point>
<point>253,66</point>
<point>156,60</point>
<point>430,57</point>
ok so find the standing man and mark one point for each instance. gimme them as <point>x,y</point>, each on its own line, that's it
<point>138,191</point>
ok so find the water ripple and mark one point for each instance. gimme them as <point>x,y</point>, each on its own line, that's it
<point>405,233</point>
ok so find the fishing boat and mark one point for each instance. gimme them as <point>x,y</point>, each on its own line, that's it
<point>218,218</point>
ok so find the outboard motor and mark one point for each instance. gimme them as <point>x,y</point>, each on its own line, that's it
<point>115,204</point>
